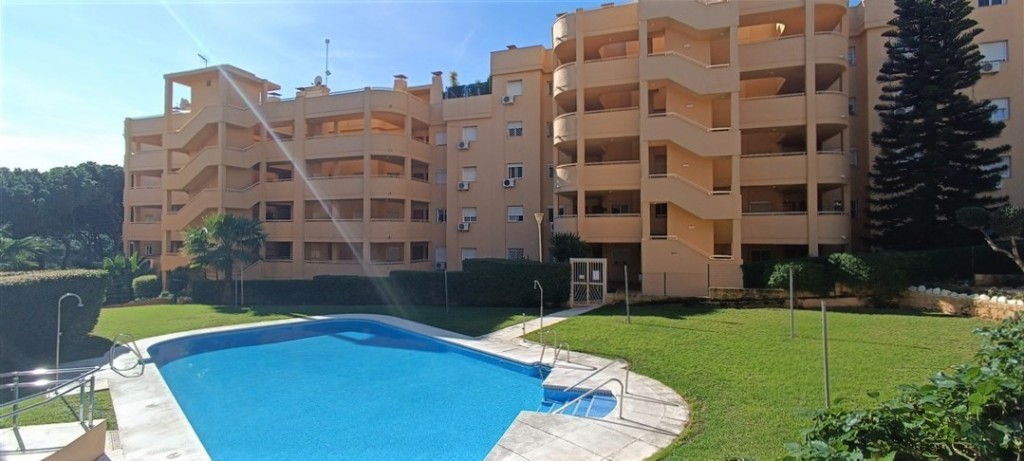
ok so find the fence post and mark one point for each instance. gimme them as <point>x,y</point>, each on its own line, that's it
<point>625,273</point>
<point>824,342</point>
<point>792,313</point>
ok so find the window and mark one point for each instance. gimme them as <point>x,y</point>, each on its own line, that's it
<point>515,171</point>
<point>442,138</point>
<point>442,214</point>
<point>419,251</point>
<point>759,207</point>
<point>469,214</point>
<point>442,176</point>
<point>551,214</point>
<point>551,88</point>
<point>468,253</point>
<point>760,255</point>
<point>469,173</point>
<point>851,55</point>
<point>853,208</point>
<point>1003,161</point>
<point>149,250</point>
<point>515,88</point>
<point>280,251</point>
<point>990,2</point>
<point>515,129</point>
<point>550,128</point>
<point>469,133</point>
<point>1002,111</point>
<point>515,214</point>
<point>854,157</point>
<point>852,106</point>
<point>660,210</point>
<point>993,51</point>
<point>441,254</point>
<point>516,253</point>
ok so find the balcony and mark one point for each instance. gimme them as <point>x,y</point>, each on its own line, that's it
<point>689,73</point>
<point>690,135</point>
<point>147,231</point>
<point>610,123</point>
<point>791,168</point>
<point>833,167</point>
<point>280,190</point>
<point>791,110</point>
<point>566,224</point>
<point>597,73</point>
<point>334,187</point>
<point>687,195</point>
<point>611,228</point>
<point>146,161</point>
<point>603,176</point>
<point>774,228</point>
<point>148,195</point>
<point>191,172</point>
<point>333,231</point>
<point>829,48</point>
<point>833,228</point>
<point>333,146</point>
<point>198,122</point>
<point>697,14</point>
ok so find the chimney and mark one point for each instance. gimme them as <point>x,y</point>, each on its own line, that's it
<point>436,87</point>
<point>401,83</point>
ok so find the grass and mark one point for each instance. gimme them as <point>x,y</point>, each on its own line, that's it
<point>59,412</point>
<point>752,388</point>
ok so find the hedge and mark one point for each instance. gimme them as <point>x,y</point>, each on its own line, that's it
<point>146,286</point>
<point>28,307</point>
<point>484,282</point>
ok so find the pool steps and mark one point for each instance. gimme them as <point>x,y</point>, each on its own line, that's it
<point>596,405</point>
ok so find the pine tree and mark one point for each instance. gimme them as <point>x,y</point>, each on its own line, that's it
<point>929,164</point>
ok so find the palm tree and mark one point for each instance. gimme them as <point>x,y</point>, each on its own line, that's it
<point>221,241</point>
<point>122,270</point>
<point>20,254</point>
<point>566,245</point>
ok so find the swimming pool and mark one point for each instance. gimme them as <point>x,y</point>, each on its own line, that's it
<point>343,389</point>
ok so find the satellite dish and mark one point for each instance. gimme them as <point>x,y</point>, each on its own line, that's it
<point>318,81</point>
<point>184,104</point>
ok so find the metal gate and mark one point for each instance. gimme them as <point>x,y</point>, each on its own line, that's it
<point>589,281</point>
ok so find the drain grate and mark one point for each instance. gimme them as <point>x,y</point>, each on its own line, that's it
<point>113,440</point>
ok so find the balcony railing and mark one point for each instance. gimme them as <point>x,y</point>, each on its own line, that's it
<point>689,58</point>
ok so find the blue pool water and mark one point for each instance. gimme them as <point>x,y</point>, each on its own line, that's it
<point>347,389</point>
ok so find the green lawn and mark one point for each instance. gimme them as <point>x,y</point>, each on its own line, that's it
<point>60,412</point>
<point>751,388</point>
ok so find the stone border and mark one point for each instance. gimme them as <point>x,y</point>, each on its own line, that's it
<point>153,426</point>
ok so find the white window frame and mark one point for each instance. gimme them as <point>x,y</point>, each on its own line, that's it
<point>998,51</point>
<point>514,170</point>
<point>1002,111</point>
<point>441,254</point>
<point>515,129</point>
<point>515,213</point>
<point>469,214</point>
<point>514,88</point>
<point>441,138</point>
<point>469,133</point>
<point>984,3</point>
<point>469,173</point>
<point>468,253</point>
<point>441,176</point>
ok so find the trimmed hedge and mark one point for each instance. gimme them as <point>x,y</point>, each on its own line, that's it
<point>146,286</point>
<point>28,307</point>
<point>485,282</point>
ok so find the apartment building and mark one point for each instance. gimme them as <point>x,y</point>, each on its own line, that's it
<point>1002,74</point>
<point>678,139</point>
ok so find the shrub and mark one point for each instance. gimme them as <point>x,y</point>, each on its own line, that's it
<point>808,275</point>
<point>504,282</point>
<point>28,307</point>
<point>146,286</point>
<point>974,411</point>
<point>889,274</point>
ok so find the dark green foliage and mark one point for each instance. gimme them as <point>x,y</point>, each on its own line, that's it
<point>146,286</point>
<point>122,271</point>
<point>222,241</point>
<point>889,274</point>
<point>485,282</point>
<point>973,411</point>
<point>567,245</point>
<point>21,253</point>
<point>929,164</point>
<point>28,309</point>
<point>178,279</point>
<point>808,275</point>
<point>849,269</point>
<point>1002,228</point>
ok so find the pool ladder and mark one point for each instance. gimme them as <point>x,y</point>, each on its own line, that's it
<point>558,347</point>
<point>128,341</point>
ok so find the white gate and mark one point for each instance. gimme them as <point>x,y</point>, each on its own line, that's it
<point>589,281</point>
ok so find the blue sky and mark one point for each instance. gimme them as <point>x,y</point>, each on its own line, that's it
<point>70,72</point>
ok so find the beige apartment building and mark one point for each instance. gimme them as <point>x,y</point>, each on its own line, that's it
<point>679,139</point>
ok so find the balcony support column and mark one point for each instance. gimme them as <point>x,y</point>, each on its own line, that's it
<point>299,187</point>
<point>222,169</point>
<point>367,206</point>
<point>645,161</point>
<point>810,100</point>
<point>581,144</point>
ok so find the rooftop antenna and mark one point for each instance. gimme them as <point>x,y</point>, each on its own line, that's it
<point>206,62</point>
<point>327,57</point>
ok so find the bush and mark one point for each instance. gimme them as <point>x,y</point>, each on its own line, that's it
<point>974,411</point>
<point>889,274</point>
<point>808,275</point>
<point>509,283</point>
<point>146,286</point>
<point>28,307</point>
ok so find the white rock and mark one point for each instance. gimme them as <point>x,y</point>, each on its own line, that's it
<point>945,292</point>
<point>1018,302</point>
<point>1001,299</point>
<point>983,297</point>
<point>975,296</point>
<point>911,288</point>
<point>921,288</point>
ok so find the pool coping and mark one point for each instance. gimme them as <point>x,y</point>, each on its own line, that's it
<point>153,426</point>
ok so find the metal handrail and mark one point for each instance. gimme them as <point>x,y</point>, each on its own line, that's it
<point>128,341</point>
<point>622,393</point>
<point>595,372</point>
<point>58,387</point>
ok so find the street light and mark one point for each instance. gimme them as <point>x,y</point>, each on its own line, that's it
<point>59,302</point>
<point>540,240</point>
<point>537,286</point>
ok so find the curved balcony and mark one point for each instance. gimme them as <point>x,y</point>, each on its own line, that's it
<point>333,231</point>
<point>690,135</point>
<point>150,160</point>
<point>567,224</point>
<point>611,123</point>
<point>334,146</point>
<point>398,231</point>
<point>399,144</point>
<point>596,73</point>
<point>833,228</point>
<point>829,48</point>
<point>349,102</point>
<point>279,151</point>
<point>690,73</point>
<point>832,107</point>
<point>774,228</point>
<point>334,187</point>
<point>611,228</point>
<point>623,175</point>
<point>697,14</point>
<point>278,190</point>
<point>833,167</point>
<point>148,195</point>
<point>563,30</point>
<point>148,231</point>
<point>791,110</point>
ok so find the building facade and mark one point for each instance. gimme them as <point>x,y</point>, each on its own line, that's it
<point>678,139</point>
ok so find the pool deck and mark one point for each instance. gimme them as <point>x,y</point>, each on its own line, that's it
<point>153,426</point>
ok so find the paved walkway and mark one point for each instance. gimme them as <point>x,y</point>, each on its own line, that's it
<point>516,331</point>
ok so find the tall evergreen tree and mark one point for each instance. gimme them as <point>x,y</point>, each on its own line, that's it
<point>929,164</point>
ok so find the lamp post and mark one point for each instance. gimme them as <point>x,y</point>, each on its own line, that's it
<point>537,286</point>
<point>540,240</point>
<point>59,302</point>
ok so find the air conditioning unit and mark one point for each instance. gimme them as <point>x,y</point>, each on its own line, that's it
<point>990,67</point>
<point>462,145</point>
<point>440,265</point>
<point>508,182</point>
<point>508,100</point>
<point>462,227</point>
<point>462,185</point>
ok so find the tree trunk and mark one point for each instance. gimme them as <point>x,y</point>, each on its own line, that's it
<point>228,293</point>
<point>67,252</point>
